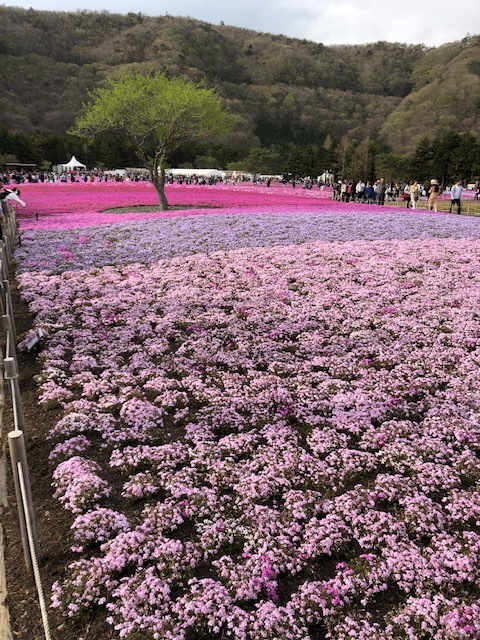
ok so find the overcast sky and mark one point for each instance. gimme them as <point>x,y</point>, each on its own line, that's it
<point>427,22</point>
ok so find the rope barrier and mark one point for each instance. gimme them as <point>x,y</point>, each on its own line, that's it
<point>33,553</point>
<point>16,438</point>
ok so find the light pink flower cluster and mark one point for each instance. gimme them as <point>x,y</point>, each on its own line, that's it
<point>78,485</point>
<point>98,526</point>
<point>150,240</point>
<point>295,431</point>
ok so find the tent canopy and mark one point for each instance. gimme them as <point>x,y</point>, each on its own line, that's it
<point>73,163</point>
<point>206,173</point>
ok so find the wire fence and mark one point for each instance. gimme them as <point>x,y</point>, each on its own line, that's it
<point>16,438</point>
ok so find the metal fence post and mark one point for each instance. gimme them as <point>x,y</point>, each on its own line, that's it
<point>3,301</point>
<point>11,373</point>
<point>9,308</point>
<point>16,444</point>
<point>4,260</point>
<point>10,350</point>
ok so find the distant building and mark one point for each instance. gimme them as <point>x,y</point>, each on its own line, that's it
<point>21,167</point>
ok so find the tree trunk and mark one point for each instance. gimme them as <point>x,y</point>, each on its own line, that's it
<point>158,181</point>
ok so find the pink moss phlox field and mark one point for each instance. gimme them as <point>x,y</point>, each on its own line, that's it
<point>150,239</point>
<point>294,432</point>
<point>57,205</point>
<point>71,205</point>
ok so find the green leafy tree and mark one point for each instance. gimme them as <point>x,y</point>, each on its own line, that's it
<point>444,150</point>
<point>342,154</point>
<point>301,161</point>
<point>421,164</point>
<point>448,157</point>
<point>363,158</point>
<point>157,114</point>
<point>109,150</point>
<point>205,162</point>
<point>465,157</point>
<point>262,161</point>
<point>391,166</point>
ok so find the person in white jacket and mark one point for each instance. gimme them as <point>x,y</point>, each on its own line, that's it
<point>11,194</point>
<point>456,196</point>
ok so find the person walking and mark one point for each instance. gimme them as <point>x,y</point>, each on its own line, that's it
<point>433,195</point>
<point>369,193</point>
<point>380,191</point>
<point>456,196</point>
<point>360,191</point>
<point>414,190</point>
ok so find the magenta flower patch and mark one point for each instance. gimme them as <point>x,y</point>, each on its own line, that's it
<point>288,404</point>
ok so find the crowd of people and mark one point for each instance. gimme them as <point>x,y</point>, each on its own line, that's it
<point>21,177</point>
<point>97,175</point>
<point>380,192</point>
<point>370,192</point>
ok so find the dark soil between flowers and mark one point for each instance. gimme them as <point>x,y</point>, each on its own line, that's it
<point>52,522</point>
<point>147,208</point>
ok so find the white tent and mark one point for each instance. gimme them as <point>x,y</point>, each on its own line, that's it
<point>72,164</point>
<point>187,173</point>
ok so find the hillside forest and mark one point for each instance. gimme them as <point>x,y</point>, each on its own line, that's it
<point>391,109</point>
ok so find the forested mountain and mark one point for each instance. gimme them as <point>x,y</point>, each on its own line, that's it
<point>285,90</point>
